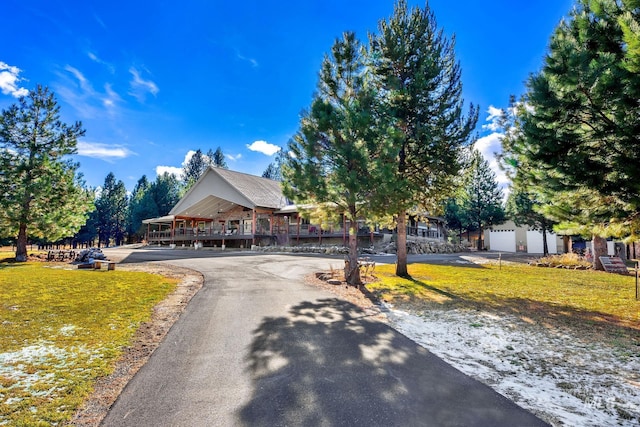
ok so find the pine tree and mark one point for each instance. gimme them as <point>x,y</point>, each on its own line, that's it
<point>420,78</point>
<point>165,192</point>
<point>629,21</point>
<point>338,159</point>
<point>111,211</point>
<point>40,193</point>
<point>454,216</point>
<point>217,158</point>
<point>580,127</point>
<point>137,209</point>
<point>274,169</point>
<point>194,168</point>
<point>482,197</point>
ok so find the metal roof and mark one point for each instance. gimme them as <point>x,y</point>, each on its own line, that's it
<point>262,192</point>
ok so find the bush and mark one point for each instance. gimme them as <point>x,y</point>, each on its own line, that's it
<point>565,260</point>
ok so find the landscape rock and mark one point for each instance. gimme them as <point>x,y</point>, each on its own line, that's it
<point>421,246</point>
<point>90,254</point>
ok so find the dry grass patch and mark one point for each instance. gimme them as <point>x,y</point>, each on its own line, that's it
<point>61,330</point>
<point>569,260</point>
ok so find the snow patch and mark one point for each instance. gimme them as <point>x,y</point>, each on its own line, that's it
<point>555,375</point>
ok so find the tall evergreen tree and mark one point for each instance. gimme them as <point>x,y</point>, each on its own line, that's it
<point>197,164</point>
<point>338,160</point>
<point>454,216</point>
<point>165,192</point>
<point>482,197</point>
<point>111,211</point>
<point>274,169</point>
<point>629,21</point>
<point>217,158</point>
<point>88,232</point>
<point>419,76</point>
<point>572,211</point>
<point>40,193</point>
<point>138,210</point>
<point>581,125</point>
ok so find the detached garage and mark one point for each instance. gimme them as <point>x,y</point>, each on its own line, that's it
<point>535,244</point>
<point>508,237</point>
<point>502,240</point>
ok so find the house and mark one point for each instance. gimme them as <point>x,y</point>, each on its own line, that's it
<point>225,208</point>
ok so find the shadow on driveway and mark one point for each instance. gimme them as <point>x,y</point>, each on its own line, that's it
<point>326,363</point>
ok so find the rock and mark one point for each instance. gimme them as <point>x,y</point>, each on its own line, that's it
<point>93,253</point>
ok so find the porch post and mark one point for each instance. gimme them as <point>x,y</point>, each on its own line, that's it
<point>271,223</point>
<point>253,226</point>
<point>298,238</point>
<point>224,231</point>
<point>173,230</point>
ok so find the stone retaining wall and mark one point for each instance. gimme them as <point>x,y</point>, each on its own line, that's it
<point>413,247</point>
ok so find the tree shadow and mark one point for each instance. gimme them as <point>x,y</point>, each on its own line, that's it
<point>601,326</point>
<point>327,363</point>
<point>438,291</point>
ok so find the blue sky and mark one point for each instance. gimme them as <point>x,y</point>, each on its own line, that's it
<point>151,81</point>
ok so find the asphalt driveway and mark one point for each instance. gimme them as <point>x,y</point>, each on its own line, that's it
<point>258,347</point>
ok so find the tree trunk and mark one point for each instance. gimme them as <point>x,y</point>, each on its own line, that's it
<point>480,233</point>
<point>352,272</point>
<point>566,244</point>
<point>599,247</point>
<point>545,244</point>
<point>401,264</point>
<point>21,244</point>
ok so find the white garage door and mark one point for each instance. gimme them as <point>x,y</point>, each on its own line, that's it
<point>535,244</point>
<point>504,241</point>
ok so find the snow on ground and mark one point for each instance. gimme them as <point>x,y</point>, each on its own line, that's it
<point>557,376</point>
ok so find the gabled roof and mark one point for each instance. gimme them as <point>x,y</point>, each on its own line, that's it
<point>219,190</point>
<point>262,192</point>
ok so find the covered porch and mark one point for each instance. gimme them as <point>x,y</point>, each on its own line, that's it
<point>232,209</point>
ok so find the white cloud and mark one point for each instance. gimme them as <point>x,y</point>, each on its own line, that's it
<point>102,151</point>
<point>99,21</point>
<point>174,170</point>
<point>111,97</point>
<point>78,92</point>
<point>85,85</point>
<point>489,146</point>
<point>251,61</point>
<point>98,60</point>
<point>188,157</point>
<point>140,87</point>
<point>171,170</point>
<point>232,157</point>
<point>264,147</point>
<point>493,119</point>
<point>9,78</point>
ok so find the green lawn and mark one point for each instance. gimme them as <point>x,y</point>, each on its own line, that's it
<point>580,298</point>
<point>61,330</point>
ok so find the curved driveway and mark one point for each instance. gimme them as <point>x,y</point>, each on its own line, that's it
<point>258,347</point>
